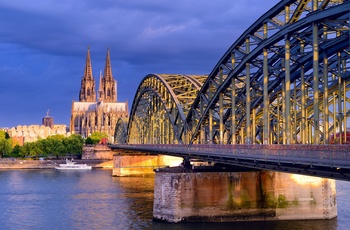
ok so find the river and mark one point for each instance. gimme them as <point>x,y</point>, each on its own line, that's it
<point>51,199</point>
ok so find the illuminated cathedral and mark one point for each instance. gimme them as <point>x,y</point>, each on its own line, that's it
<point>91,114</point>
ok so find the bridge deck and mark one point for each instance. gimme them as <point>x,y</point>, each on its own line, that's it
<point>330,161</point>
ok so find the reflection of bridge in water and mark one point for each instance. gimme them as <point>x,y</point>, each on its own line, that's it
<point>278,99</point>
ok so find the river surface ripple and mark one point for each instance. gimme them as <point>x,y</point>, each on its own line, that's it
<point>51,199</point>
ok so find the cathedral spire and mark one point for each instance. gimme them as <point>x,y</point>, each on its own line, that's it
<point>87,90</point>
<point>100,89</point>
<point>88,67</point>
<point>108,82</point>
<point>108,68</point>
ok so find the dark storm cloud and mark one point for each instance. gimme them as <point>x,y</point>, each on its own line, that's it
<point>43,45</point>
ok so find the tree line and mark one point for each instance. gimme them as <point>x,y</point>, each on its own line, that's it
<point>52,146</point>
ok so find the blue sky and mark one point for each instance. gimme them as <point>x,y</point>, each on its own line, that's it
<point>43,45</point>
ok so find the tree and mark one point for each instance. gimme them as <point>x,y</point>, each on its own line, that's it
<point>97,136</point>
<point>2,134</point>
<point>89,141</point>
<point>5,144</point>
<point>56,145</point>
<point>78,138</point>
<point>5,147</point>
<point>30,149</point>
<point>56,137</point>
<point>52,146</point>
<point>73,144</point>
<point>15,151</point>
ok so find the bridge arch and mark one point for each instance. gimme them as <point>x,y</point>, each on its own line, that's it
<point>121,131</point>
<point>275,83</point>
<point>160,107</point>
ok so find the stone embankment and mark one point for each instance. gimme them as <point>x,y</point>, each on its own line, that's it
<point>47,164</point>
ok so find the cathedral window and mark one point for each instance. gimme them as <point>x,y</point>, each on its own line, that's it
<point>108,92</point>
<point>88,91</point>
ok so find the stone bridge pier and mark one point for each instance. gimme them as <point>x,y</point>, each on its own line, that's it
<point>209,194</point>
<point>216,193</point>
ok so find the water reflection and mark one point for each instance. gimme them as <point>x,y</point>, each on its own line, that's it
<point>49,199</point>
<point>137,194</point>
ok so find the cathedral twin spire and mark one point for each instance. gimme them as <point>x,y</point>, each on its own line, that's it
<point>107,91</point>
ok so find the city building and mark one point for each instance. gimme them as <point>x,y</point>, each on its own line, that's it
<point>97,112</point>
<point>47,120</point>
<point>30,133</point>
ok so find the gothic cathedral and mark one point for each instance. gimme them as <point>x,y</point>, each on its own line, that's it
<point>89,114</point>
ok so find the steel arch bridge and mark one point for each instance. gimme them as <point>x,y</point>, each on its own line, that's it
<point>285,80</point>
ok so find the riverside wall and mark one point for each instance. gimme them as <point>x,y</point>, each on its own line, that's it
<point>98,151</point>
<point>241,196</point>
<point>26,164</point>
<point>47,164</point>
<point>98,156</point>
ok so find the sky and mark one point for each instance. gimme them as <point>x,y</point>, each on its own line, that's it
<point>43,46</point>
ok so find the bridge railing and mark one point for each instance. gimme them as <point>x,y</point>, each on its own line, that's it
<point>321,155</point>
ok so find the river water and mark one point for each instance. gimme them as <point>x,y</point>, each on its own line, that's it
<point>51,199</point>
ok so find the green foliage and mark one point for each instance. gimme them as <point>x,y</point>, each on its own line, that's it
<point>52,145</point>
<point>56,145</point>
<point>2,134</point>
<point>31,149</point>
<point>5,147</point>
<point>97,136</point>
<point>56,137</point>
<point>5,144</point>
<point>78,138</point>
<point>89,141</point>
<point>15,151</point>
<point>73,144</point>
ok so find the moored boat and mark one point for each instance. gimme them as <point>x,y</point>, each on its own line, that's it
<point>71,165</point>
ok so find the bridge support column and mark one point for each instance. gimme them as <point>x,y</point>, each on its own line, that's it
<point>212,196</point>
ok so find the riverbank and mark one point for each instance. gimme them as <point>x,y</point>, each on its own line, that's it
<point>50,164</point>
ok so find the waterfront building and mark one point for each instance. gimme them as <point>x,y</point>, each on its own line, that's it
<point>48,121</point>
<point>30,133</point>
<point>97,112</point>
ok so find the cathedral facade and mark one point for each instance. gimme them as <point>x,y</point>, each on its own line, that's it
<point>97,111</point>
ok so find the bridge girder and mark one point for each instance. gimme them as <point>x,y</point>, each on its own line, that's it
<point>285,80</point>
<point>274,61</point>
<point>160,107</point>
<point>121,131</point>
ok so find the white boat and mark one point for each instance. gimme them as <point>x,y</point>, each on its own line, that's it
<point>71,165</point>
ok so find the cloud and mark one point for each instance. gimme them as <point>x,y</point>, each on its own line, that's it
<point>43,44</point>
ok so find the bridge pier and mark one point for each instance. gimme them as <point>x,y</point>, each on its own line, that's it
<point>139,164</point>
<point>223,196</point>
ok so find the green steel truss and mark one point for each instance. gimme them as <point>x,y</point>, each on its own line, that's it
<point>160,107</point>
<point>121,131</point>
<point>285,80</point>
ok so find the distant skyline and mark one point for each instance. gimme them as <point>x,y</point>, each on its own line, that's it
<point>43,46</point>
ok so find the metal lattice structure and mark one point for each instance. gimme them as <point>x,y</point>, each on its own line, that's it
<point>121,131</point>
<point>160,107</point>
<point>285,80</point>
